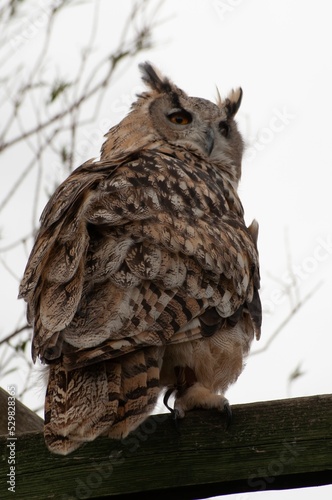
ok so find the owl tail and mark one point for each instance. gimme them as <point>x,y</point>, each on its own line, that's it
<point>108,398</point>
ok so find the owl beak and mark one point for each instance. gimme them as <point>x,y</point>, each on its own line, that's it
<point>209,141</point>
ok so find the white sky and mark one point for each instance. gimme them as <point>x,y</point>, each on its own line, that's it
<point>280,54</point>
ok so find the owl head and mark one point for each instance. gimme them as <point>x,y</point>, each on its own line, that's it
<point>166,115</point>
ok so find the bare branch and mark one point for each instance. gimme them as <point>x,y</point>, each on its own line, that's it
<point>28,169</point>
<point>14,333</point>
<point>125,50</point>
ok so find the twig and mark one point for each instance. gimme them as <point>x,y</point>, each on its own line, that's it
<point>14,333</point>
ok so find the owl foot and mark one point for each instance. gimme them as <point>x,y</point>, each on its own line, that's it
<point>198,396</point>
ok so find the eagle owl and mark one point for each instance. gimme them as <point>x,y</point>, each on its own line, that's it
<point>143,276</point>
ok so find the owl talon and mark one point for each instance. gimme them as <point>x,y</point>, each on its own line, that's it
<point>167,395</point>
<point>175,413</point>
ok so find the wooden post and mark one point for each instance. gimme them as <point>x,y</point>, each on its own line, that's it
<point>269,445</point>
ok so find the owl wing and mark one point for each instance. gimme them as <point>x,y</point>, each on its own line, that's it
<point>143,253</point>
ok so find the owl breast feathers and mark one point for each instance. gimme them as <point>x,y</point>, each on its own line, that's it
<point>144,276</point>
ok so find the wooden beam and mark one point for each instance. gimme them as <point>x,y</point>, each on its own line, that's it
<point>269,445</point>
<point>25,419</point>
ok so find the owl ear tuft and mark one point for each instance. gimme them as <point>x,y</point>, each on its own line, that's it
<point>233,102</point>
<point>154,79</point>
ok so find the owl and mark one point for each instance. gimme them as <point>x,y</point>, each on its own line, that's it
<point>144,277</point>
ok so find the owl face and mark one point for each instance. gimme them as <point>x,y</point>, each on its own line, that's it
<point>165,114</point>
<point>200,126</point>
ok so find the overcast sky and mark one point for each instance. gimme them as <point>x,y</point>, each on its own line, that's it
<point>279,52</point>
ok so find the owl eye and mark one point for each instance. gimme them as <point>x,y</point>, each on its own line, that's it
<point>224,129</point>
<point>181,117</point>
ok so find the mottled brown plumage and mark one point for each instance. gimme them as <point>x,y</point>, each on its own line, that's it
<point>144,275</point>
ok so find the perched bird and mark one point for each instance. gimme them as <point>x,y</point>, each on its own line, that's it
<point>143,276</point>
